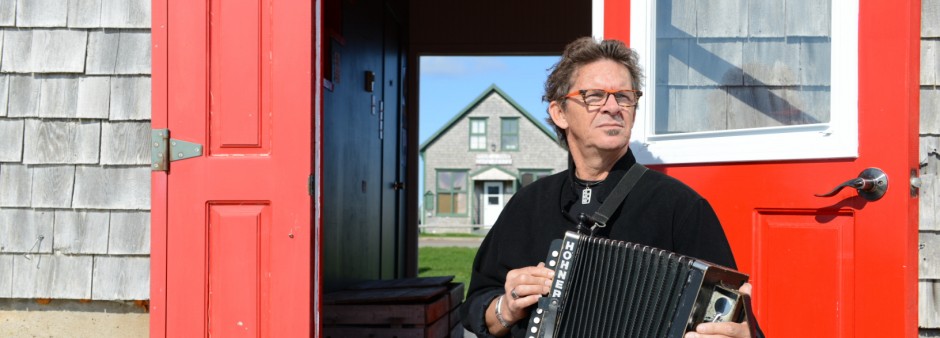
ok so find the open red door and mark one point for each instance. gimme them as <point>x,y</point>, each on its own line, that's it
<point>760,106</point>
<point>232,231</point>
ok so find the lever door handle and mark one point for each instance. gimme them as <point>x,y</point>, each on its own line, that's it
<point>871,184</point>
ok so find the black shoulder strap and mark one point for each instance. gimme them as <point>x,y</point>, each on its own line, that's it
<point>618,194</point>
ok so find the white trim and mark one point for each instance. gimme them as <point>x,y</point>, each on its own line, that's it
<point>597,19</point>
<point>836,139</point>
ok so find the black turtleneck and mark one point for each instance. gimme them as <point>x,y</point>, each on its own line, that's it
<point>660,211</point>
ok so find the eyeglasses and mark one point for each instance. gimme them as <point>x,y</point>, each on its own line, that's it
<point>598,97</point>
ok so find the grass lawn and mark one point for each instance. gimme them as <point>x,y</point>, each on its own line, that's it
<point>446,261</point>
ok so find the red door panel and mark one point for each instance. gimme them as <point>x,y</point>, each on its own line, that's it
<point>237,234</point>
<point>840,266</point>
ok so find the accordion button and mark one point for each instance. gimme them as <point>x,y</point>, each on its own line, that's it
<point>534,330</point>
<point>551,263</point>
<point>536,320</point>
<point>539,311</point>
<point>555,253</point>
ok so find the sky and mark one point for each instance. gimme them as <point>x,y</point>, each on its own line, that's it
<point>449,83</point>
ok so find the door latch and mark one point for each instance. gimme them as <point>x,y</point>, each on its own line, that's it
<point>871,184</point>
<point>164,150</point>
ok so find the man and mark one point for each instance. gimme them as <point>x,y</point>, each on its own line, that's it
<point>592,93</point>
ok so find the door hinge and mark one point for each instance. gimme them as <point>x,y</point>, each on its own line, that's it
<point>164,150</point>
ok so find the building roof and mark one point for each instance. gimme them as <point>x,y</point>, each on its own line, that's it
<point>493,88</point>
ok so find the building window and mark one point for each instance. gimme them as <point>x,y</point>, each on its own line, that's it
<point>451,192</point>
<point>509,133</point>
<point>429,201</point>
<point>477,134</point>
<point>532,175</point>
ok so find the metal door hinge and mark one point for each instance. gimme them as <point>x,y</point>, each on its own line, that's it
<point>164,150</point>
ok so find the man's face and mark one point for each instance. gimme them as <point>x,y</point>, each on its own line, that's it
<point>596,129</point>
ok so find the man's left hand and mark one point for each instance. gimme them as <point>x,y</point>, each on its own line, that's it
<point>723,330</point>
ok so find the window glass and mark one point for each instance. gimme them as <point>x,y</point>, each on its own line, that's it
<point>451,192</point>
<point>509,133</point>
<point>740,64</point>
<point>477,134</point>
<point>531,175</point>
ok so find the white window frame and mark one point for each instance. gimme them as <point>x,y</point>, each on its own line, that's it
<point>836,139</point>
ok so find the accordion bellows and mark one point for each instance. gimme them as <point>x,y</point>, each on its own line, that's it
<point>609,288</point>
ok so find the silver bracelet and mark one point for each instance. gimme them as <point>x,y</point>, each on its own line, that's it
<point>499,313</point>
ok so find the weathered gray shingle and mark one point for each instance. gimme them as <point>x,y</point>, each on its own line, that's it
<point>125,143</point>
<point>84,13</point>
<point>929,304</point>
<point>130,98</point>
<point>97,188</point>
<point>52,186</point>
<point>15,181</point>
<point>772,63</point>
<point>125,13</point>
<point>52,276</point>
<point>930,62</point>
<point>813,103</point>
<point>928,202</point>
<point>6,276</point>
<point>102,51</point>
<point>929,23</point>
<point>680,22</point>
<point>4,88</point>
<point>754,107</point>
<point>929,255</point>
<point>716,63</point>
<point>81,232</point>
<point>25,231</point>
<point>672,57</point>
<point>44,51</point>
<point>41,13</point>
<point>929,146</point>
<point>766,18</point>
<point>130,233</point>
<point>699,110</point>
<point>721,18</point>
<point>11,137</point>
<point>121,278</point>
<point>7,13</point>
<point>808,18</point>
<point>930,111</point>
<point>24,96</point>
<point>55,142</point>
<point>58,96</point>
<point>94,96</point>
<point>133,55</point>
<point>815,62</point>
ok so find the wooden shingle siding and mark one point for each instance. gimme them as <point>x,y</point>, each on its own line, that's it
<point>15,180</point>
<point>84,14</point>
<point>120,188</point>
<point>7,13</point>
<point>130,233</point>
<point>52,186</point>
<point>125,143</point>
<point>929,237</point>
<point>26,231</point>
<point>57,141</point>
<point>130,98</point>
<point>929,315</point>
<point>74,155</point>
<point>6,276</point>
<point>117,278</point>
<point>11,137</point>
<point>125,13</point>
<point>44,51</point>
<point>81,232</point>
<point>58,276</point>
<point>41,13</point>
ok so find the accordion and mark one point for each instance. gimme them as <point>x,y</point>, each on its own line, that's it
<point>609,288</point>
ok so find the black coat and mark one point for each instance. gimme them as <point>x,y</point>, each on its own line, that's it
<point>660,211</point>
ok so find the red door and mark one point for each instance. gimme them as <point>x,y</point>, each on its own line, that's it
<point>839,266</point>
<point>232,231</point>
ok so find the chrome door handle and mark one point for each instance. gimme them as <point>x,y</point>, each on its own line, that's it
<point>871,184</point>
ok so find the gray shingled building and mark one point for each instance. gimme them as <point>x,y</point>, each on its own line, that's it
<point>74,177</point>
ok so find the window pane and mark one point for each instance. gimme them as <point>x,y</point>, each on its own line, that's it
<point>492,190</point>
<point>510,142</point>
<point>460,180</point>
<point>527,178</point>
<point>477,126</point>
<point>477,142</point>
<point>461,203</point>
<point>510,126</point>
<point>492,200</point>
<point>445,180</point>
<point>445,204</point>
<point>729,65</point>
